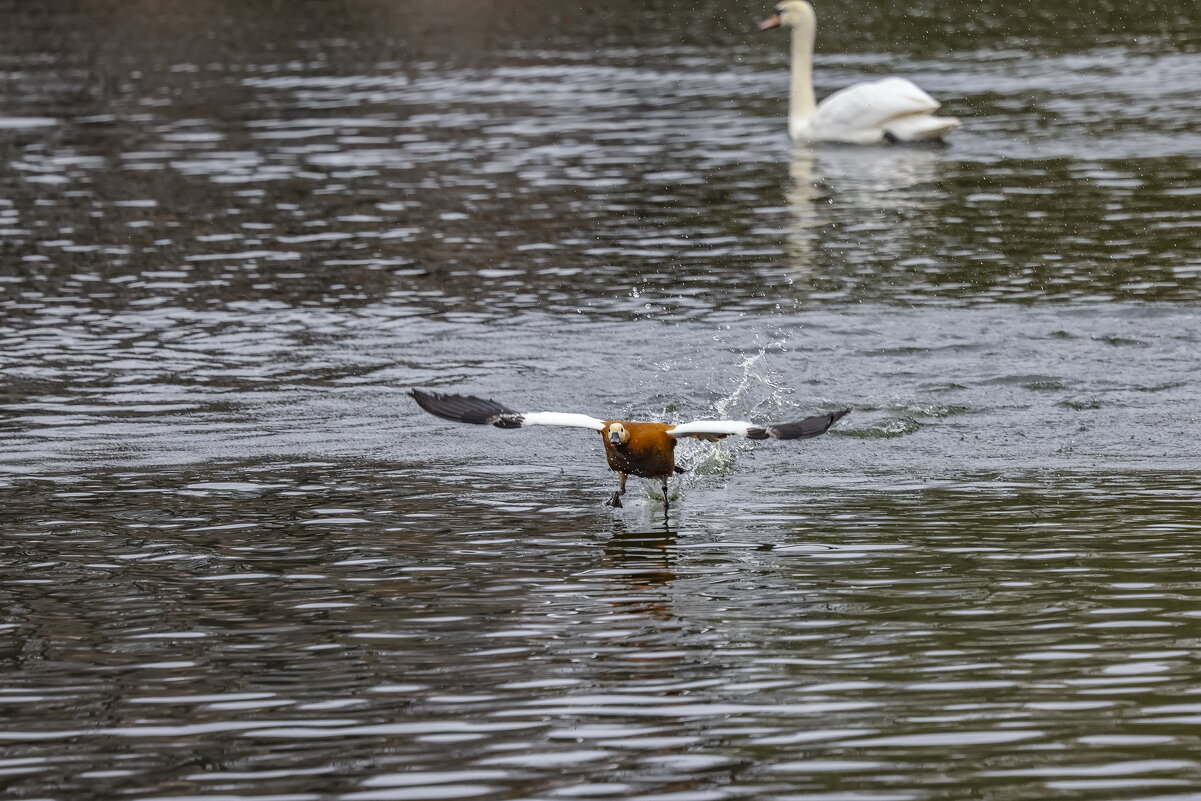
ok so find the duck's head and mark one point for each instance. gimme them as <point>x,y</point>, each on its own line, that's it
<point>618,435</point>
<point>789,13</point>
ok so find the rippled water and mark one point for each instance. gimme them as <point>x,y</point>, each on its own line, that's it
<point>237,562</point>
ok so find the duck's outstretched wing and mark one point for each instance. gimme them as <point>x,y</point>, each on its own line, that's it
<point>710,430</point>
<point>469,409</point>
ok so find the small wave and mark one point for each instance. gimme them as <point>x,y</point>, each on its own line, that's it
<point>888,428</point>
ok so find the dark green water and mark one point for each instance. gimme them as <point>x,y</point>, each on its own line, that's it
<point>236,561</point>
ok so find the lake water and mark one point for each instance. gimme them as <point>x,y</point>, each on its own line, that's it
<point>237,562</point>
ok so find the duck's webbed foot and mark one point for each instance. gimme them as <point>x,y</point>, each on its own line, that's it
<point>615,501</point>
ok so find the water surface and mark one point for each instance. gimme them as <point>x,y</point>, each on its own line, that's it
<point>239,563</point>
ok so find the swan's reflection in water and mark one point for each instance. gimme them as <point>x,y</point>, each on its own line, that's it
<point>838,192</point>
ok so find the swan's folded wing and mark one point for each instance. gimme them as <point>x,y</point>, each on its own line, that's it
<point>872,104</point>
<point>470,409</point>
<point>718,429</point>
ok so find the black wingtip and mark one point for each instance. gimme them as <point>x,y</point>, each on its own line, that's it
<point>809,427</point>
<point>466,409</point>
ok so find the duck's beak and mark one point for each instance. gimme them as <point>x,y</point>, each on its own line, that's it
<point>614,438</point>
<point>771,22</point>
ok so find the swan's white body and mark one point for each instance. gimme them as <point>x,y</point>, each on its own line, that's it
<point>888,110</point>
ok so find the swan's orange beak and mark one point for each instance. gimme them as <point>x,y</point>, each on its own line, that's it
<point>771,22</point>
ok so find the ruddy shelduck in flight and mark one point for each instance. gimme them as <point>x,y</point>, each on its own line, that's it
<point>634,449</point>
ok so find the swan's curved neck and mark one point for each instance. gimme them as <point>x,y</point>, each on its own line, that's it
<point>801,100</point>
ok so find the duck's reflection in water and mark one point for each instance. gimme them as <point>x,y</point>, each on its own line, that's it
<point>640,563</point>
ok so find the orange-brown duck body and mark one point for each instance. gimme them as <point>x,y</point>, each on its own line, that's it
<point>646,450</point>
<point>640,449</point>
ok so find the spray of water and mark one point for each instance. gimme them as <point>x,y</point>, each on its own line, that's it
<point>756,390</point>
<point>756,376</point>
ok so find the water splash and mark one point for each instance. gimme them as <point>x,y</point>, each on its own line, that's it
<point>755,374</point>
<point>757,387</point>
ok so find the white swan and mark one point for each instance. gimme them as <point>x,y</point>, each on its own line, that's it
<point>888,110</point>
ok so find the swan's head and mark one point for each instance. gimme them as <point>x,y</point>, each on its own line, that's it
<point>618,434</point>
<point>791,13</point>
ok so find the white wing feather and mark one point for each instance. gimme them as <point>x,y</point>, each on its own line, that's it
<point>736,427</point>
<point>561,419</point>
